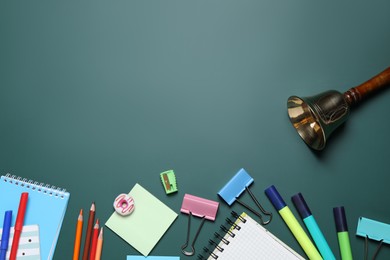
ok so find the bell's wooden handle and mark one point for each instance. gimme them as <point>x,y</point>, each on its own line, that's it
<point>356,94</point>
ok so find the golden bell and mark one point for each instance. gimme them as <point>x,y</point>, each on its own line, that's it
<point>316,117</point>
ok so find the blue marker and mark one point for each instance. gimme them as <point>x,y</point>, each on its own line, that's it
<point>312,226</point>
<point>5,234</point>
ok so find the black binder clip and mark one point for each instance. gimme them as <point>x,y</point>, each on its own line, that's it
<point>374,230</point>
<point>235,187</point>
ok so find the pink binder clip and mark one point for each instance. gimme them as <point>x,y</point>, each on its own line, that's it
<point>199,207</point>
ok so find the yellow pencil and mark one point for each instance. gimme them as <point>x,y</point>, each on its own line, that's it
<point>77,240</point>
<point>99,245</point>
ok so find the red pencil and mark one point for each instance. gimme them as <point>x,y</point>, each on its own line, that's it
<point>94,240</point>
<point>88,235</point>
<point>19,225</point>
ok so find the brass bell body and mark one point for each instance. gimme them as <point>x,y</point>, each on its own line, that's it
<point>316,117</point>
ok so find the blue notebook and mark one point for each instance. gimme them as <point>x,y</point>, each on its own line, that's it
<point>46,208</point>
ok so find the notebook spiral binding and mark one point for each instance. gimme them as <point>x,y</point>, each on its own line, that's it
<point>35,186</point>
<point>230,229</point>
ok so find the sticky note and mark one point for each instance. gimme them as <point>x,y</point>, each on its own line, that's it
<point>143,228</point>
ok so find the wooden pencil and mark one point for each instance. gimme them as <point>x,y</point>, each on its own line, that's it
<point>77,240</point>
<point>95,235</point>
<point>88,235</point>
<point>99,245</point>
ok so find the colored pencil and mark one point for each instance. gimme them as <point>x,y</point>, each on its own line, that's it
<point>99,245</point>
<point>88,234</point>
<point>94,240</point>
<point>77,240</point>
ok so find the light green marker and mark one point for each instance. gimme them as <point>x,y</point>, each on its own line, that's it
<point>342,233</point>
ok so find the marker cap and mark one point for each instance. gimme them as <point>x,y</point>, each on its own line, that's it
<point>340,219</point>
<point>301,205</point>
<point>275,198</point>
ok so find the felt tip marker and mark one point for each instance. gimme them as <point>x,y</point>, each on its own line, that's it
<point>292,223</point>
<point>5,234</point>
<point>313,227</point>
<point>18,225</point>
<point>342,233</point>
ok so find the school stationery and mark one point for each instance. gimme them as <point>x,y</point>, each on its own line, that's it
<point>239,183</point>
<point>124,204</point>
<point>342,233</point>
<point>244,238</point>
<point>94,240</point>
<point>198,207</point>
<point>19,224</point>
<point>375,230</point>
<point>29,243</point>
<point>77,239</point>
<point>143,228</point>
<point>292,223</point>
<point>168,180</point>
<point>88,234</point>
<point>312,226</point>
<point>46,207</point>
<point>5,234</point>
<point>99,245</point>
<point>136,257</point>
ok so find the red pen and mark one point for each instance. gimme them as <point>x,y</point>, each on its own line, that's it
<point>18,225</point>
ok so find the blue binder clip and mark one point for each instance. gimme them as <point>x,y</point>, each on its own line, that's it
<point>235,187</point>
<point>375,230</point>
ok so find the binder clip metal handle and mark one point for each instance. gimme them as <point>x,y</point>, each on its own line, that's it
<point>267,213</point>
<point>183,247</point>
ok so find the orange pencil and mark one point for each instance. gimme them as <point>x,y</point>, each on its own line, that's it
<point>94,240</point>
<point>99,245</point>
<point>77,240</point>
<point>88,235</point>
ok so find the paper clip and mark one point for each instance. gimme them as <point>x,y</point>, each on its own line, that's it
<point>235,187</point>
<point>199,207</point>
<point>375,230</point>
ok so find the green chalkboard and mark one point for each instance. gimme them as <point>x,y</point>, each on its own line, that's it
<point>96,96</point>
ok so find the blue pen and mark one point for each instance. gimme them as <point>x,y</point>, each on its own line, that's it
<point>313,227</point>
<point>5,234</point>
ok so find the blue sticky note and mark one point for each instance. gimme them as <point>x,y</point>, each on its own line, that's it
<point>139,257</point>
<point>373,229</point>
<point>235,187</point>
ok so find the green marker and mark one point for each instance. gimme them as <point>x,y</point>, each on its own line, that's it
<point>342,233</point>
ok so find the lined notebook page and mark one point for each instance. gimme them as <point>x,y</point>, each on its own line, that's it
<point>251,241</point>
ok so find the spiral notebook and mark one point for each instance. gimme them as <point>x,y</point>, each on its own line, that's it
<point>46,208</point>
<point>247,239</point>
